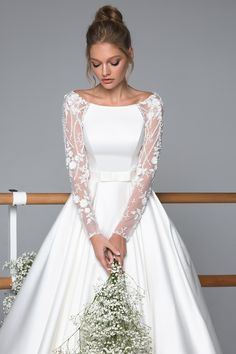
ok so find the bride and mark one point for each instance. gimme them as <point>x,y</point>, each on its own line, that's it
<point>113,137</point>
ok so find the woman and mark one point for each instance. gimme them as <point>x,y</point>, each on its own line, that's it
<point>112,135</point>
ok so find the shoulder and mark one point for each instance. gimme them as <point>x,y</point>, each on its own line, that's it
<point>143,95</point>
<point>88,95</point>
<point>85,93</point>
<point>149,98</point>
<point>72,98</point>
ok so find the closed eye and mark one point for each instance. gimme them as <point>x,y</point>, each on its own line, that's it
<point>113,64</point>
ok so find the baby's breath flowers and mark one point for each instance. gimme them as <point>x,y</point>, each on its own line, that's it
<point>19,268</point>
<point>112,323</point>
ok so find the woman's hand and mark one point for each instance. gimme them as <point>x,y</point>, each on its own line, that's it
<point>101,246</point>
<point>120,244</point>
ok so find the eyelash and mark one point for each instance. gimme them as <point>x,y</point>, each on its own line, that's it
<point>95,66</point>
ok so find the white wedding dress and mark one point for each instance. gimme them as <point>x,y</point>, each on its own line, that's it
<point>111,155</point>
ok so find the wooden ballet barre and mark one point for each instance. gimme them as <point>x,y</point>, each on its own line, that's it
<point>217,280</point>
<point>5,283</point>
<point>170,197</point>
<point>222,280</point>
<point>197,197</point>
<point>206,281</point>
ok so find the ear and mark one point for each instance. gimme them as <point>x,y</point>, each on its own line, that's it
<point>131,52</point>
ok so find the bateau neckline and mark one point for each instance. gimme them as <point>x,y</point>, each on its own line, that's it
<point>127,105</point>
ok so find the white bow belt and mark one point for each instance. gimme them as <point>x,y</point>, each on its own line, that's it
<point>112,175</point>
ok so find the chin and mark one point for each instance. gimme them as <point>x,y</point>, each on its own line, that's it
<point>108,87</point>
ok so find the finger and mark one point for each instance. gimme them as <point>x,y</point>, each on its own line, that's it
<point>119,259</point>
<point>109,255</point>
<point>104,260</point>
<point>104,264</point>
<point>108,264</point>
<point>113,249</point>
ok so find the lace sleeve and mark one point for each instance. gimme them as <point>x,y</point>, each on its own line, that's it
<point>77,161</point>
<point>152,111</point>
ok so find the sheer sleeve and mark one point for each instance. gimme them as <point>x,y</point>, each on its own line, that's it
<point>152,111</point>
<point>77,161</point>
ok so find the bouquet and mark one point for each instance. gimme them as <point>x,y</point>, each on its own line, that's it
<point>112,323</point>
<point>19,269</point>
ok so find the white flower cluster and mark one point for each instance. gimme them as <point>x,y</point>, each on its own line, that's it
<point>18,268</point>
<point>112,323</point>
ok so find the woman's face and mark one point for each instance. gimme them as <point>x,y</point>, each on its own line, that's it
<point>109,64</point>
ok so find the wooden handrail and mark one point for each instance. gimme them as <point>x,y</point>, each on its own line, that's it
<point>205,281</point>
<point>5,283</point>
<point>222,280</point>
<point>217,280</point>
<point>170,197</point>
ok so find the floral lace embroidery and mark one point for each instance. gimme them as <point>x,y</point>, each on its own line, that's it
<point>76,159</point>
<point>152,111</point>
<point>74,108</point>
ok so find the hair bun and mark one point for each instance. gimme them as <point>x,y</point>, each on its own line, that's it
<point>108,12</point>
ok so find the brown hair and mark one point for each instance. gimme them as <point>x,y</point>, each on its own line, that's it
<point>108,26</point>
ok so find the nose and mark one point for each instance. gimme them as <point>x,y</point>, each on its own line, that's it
<point>105,70</point>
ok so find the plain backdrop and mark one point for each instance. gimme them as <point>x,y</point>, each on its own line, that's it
<point>185,51</point>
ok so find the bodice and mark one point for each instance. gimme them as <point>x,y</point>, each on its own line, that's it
<point>113,136</point>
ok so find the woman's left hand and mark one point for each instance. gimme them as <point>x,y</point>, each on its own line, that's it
<point>120,243</point>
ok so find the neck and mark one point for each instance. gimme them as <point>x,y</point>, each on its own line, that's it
<point>116,94</point>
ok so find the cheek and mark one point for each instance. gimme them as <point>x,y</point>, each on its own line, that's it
<point>95,70</point>
<point>121,69</point>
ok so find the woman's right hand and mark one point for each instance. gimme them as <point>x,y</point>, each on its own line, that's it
<point>100,245</point>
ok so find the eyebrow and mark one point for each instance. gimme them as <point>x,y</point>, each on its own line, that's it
<point>114,56</point>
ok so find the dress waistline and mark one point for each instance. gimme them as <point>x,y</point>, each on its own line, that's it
<point>106,176</point>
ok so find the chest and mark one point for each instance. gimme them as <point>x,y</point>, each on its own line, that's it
<point>114,130</point>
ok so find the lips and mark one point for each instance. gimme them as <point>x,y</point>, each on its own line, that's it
<point>107,81</point>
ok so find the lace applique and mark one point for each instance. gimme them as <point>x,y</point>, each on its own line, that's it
<point>74,108</point>
<point>152,111</point>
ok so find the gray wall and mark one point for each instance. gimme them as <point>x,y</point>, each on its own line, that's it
<point>185,51</point>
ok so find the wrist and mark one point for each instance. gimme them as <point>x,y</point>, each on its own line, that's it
<point>120,235</point>
<point>95,237</point>
<point>92,236</point>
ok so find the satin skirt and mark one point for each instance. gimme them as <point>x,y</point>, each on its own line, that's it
<point>62,279</point>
